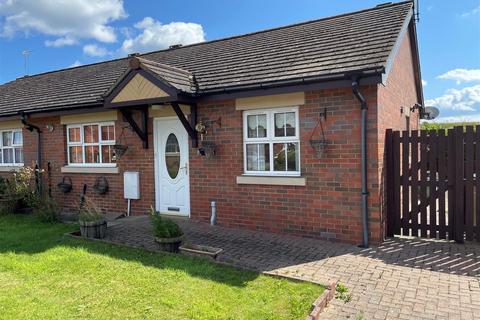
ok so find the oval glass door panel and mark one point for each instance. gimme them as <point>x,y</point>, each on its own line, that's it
<point>172,156</point>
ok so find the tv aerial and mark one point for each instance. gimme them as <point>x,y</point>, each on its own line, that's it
<point>26,53</point>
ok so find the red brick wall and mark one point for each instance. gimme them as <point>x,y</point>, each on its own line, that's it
<point>399,91</point>
<point>327,207</point>
<point>54,151</point>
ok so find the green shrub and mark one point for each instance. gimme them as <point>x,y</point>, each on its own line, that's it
<point>164,228</point>
<point>47,210</point>
<point>90,212</point>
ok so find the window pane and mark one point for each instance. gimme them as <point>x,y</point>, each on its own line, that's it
<point>17,138</point>
<point>107,154</point>
<point>172,156</point>
<point>75,154</point>
<point>74,135</point>
<point>290,124</point>
<point>1,157</point>
<point>285,157</point>
<point>8,155</point>
<point>258,157</point>
<point>18,155</point>
<point>91,134</point>
<point>91,154</point>
<point>257,126</point>
<point>7,138</point>
<point>108,133</point>
<point>285,124</point>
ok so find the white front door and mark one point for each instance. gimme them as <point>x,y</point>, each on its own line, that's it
<point>172,187</point>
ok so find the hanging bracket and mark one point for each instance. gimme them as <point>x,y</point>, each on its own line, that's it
<point>323,114</point>
<point>142,131</point>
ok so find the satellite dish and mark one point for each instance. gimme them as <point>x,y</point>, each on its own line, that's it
<point>430,113</point>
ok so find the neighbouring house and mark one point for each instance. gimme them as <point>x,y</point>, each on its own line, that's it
<point>268,125</point>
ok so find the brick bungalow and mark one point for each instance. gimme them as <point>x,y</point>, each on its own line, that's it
<point>232,121</point>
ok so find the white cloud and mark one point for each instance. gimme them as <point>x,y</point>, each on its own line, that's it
<point>95,50</point>
<point>461,118</point>
<point>60,42</point>
<point>461,75</point>
<point>424,83</point>
<point>466,99</point>
<point>156,36</point>
<point>68,20</point>
<point>75,64</point>
<point>471,13</point>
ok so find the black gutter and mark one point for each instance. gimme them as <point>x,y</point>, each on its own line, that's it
<point>30,127</point>
<point>364,203</point>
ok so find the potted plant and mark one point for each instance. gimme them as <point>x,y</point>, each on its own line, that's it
<point>167,233</point>
<point>92,221</point>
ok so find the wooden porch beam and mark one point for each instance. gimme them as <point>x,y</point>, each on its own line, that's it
<point>187,125</point>
<point>143,131</point>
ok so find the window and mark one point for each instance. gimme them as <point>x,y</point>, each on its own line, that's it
<point>11,147</point>
<point>91,144</point>
<point>271,142</point>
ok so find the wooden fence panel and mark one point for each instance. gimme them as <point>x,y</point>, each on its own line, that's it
<point>442,183</point>
<point>459,215</point>
<point>423,182</point>
<point>451,183</point>
<point>468,189</point>
<point>414,188</point>
<point>406,215</point>
<point>477,181</point>
<point>396,181</point>
<point>433,180</point>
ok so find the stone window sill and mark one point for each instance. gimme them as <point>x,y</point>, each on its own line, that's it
<point>274,181</point>
<point>104,170</point>
<point>10,168</point>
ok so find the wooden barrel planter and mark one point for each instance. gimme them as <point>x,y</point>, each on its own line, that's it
<point>169,244</point>
<point>93,229</point>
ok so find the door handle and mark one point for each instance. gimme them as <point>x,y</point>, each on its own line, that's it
<point>185,167</point>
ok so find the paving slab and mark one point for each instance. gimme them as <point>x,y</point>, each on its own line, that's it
<point>400,279</point>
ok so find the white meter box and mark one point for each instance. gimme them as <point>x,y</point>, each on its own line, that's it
<point>131,185</point>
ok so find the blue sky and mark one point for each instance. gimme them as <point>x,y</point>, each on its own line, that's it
<point>64,33</point>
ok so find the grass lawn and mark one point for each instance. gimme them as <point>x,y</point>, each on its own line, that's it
<point>45,275</point>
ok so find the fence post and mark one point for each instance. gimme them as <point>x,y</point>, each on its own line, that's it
<point>389,181</point>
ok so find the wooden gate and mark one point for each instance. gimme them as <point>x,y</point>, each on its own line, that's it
<point>432,183</point>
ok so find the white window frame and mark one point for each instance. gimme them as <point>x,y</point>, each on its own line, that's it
<point>83,144</point>
<point>270,139</point>
<point>13,146</point>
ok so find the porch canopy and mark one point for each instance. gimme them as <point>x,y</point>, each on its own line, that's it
<point>146,83</point>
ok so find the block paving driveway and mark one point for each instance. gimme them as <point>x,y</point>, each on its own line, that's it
<point>401,279</point>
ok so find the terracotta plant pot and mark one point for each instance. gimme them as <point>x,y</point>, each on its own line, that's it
<point>169,244</point>
<point>93,229</point>
<point>200,251</point>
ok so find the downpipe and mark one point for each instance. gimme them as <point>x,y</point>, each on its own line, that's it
<point>213,217</point>
<point>364,194</point>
